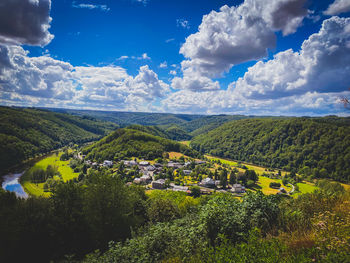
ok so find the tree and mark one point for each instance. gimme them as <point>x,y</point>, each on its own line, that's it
<point>223,178</point>
<point>195,191</point>
<point>162,210</point>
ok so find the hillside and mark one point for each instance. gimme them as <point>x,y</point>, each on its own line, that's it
<point>124,119</point>
<point>173,126</point>
<point>315,147</point>
<point>25,133</point>
<point>133,143</point>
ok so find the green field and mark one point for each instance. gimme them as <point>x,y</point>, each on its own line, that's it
<point>63,167</point>
<point>264,182</point>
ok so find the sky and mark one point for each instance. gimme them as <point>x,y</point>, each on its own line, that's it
<point>256,57</point>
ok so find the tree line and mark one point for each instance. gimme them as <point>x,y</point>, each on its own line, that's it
<point>312,147</point>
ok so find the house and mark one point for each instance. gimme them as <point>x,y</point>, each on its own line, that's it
<point>187,172</point>
<point>150,168</point>
<point>107,163</point>
<point>130,163</point>
<point>159,184</point>
<point>144,163</point>
<point>145,179</point>
<point>208,182</point>
<point>187,163</point>
<point>217,182</point>
<point>179,188</point>
<point>137,180</point>
<point>175,165</point>
<point>237,188</point>
<point>200,162</point>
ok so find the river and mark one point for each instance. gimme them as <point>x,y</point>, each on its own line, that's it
<point>11,183</point>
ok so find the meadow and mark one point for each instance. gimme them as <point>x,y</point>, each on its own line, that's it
<point>63,168</point>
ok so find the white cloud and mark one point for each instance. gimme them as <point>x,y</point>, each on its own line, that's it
<point>123,57</point>
<point>308,82</point>
<point>238,34</point>
<point>144,2</point>
<point>173,72</point>
<point>104,8</point>
<point>183,23</point>
<point>25,22</point>
<point>163,64</point>
<point>45,81</point>
<point>338,7</point>
<point>322,65</point>
<point>169,40</point>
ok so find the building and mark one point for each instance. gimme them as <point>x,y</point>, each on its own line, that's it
<point>200,162</point>
<point>130,163</point>
<point>187,172</point>
<point>237,188</point>
<point>175,165</point>
<point>150,168</point>
<point>208,182</point>
<point>144,163</point>
<point>145,179</point>
<point>137,180</point>
<point>107,163</point>
<point>159,184</point>
<point>179,188</point>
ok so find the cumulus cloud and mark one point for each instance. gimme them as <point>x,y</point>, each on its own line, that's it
<point>104,8</point>
<point>338,7</point>
<point>227,102</point>
<point>308,82</point>
<point>44,80</point>
<point>322,65</point>
<point>238,34</point>
<point>25,22</point>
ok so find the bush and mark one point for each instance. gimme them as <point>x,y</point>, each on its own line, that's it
<point>195,191</point>
<point>250,183</point>
<point>275,185</point>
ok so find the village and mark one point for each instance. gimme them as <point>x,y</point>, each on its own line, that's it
<point>151,175</point>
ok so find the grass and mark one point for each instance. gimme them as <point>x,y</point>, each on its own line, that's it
<point>175,155</point>
<point>63,168</point>
<point>305,187</point>
<point>258,169</point>
<point>264,182</point>
<point>187,143</point>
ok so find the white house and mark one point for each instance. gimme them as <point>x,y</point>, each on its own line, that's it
<point>208,182</point>
<point>238,188</point>
<point>107,163</point>
<point>187,172</point>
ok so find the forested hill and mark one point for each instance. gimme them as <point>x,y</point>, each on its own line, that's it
<point>315,147</point>
<point>125,143</point>
<point>25,133</point>
<point>174,126</point>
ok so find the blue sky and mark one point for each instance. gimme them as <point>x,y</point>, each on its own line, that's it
<point>251,57</point>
